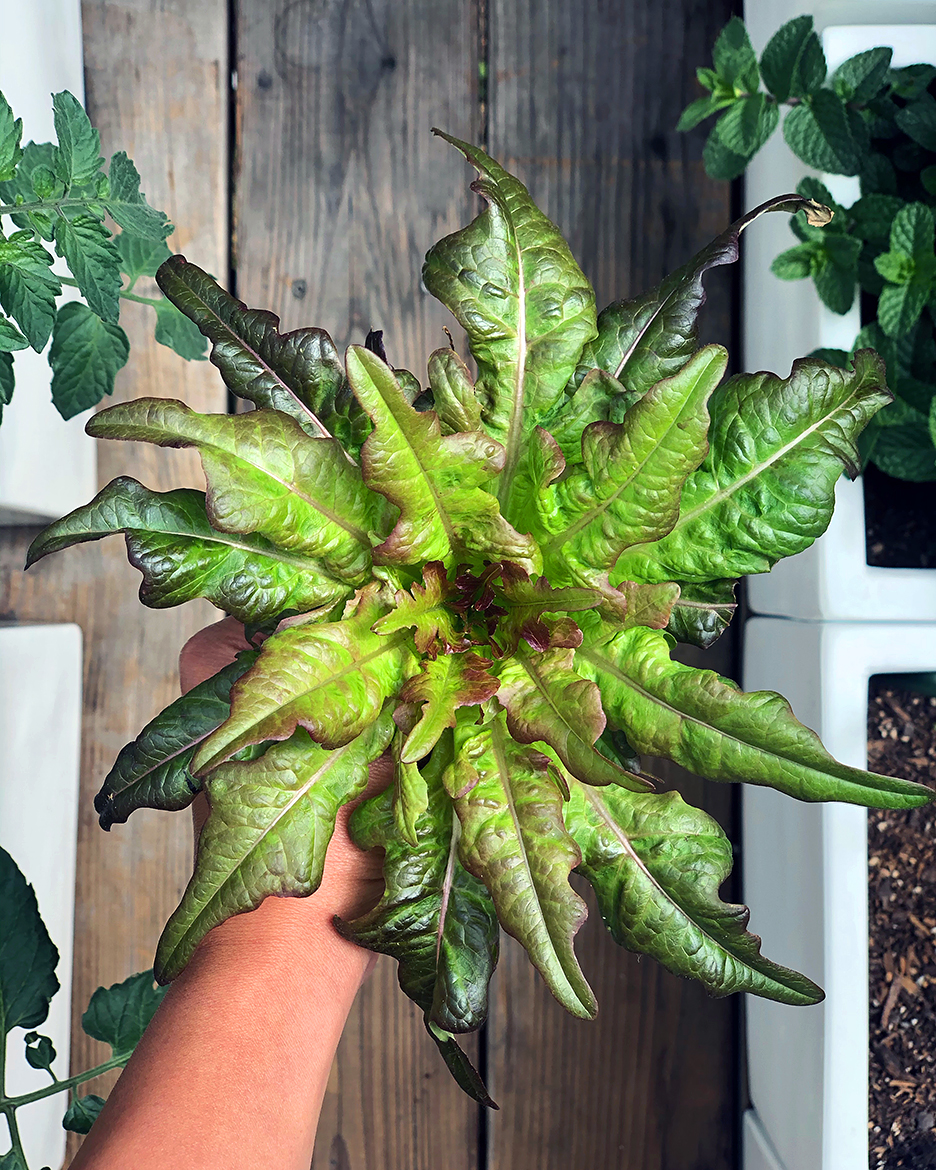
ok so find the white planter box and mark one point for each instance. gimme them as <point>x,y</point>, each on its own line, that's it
<point>785,319</point>
<point>47,465</point>
<point>40,726</point>
<point>805,874</point>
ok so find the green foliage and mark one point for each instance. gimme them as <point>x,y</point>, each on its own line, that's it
<point>489,592</point>
<point>59,194</point>
<point>875,122</point>
<point>117,1015</point>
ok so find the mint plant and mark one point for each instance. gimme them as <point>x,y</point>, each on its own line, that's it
<point>116,1015</point>
<point>866,120</point>
<point>57,198</point>
<point>485,579</point>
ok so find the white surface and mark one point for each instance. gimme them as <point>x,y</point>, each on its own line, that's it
<point>805,879</point>
<point>785,319</point>
<point>47,465</point>
<point>40,724</point>
<point>757,1152</point>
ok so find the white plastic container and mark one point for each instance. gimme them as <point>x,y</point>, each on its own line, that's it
<point>805,873</point>
<point>785,319</point>
<point>47,465</point>
<point>40,727</point>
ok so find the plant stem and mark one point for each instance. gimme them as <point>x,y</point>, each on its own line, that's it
<point>126,294</point>
<point>8,1104</point>
<point>45,205</point>
<point>15,1135</point>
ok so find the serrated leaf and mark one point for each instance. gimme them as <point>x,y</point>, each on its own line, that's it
<point>795,263</point>
<point>793,64</point>
<point>330,678</point>
<point>862,77</point>
<point>526,603</point>
<point>270,824</point>
<point>120,1014</point>
<point>20,188</point>
<point>706,724</point>
<point>514,286</point>
<point>656,865</point>
<point>702,612</point>
<point>453,392</point>
<point>27,956</point>
<point>900,305</point>
<point>434,479</point>
<point>873,216</point>
<point>298,373</point>
<point>918,121</point>
<point>836,273</point>
<point>701,109</point>
<point>82,1113</point>
<point>514,840</point>
<point>748,123</point>
<point>86,355</point>
<point>720,162</point>
<point>154,770</point>
<point>171,542</point>
<point>175,330</point>
<point>905,449</point>
<point>424,610</point>
<point>443,685</point>
<point>819,134</point>
<point>10,337</point>
<point>733,57</point>
<point>627,490</point>
<point>77,159</point>
<point>652,337</point>
<point>434,918</point>
<point>780,439</point>
<point>127,205</point>
<point>94,262</point>
<point>139,256</point>
<point>548,702</point>
<point>11,131</point>
<point>265,475</point>
<point>28,289</point>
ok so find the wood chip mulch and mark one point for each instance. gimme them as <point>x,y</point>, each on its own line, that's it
<point>902,906</point>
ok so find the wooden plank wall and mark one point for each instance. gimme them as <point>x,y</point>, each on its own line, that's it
<point>337,190</point>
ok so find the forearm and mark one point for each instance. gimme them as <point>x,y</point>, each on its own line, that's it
<point>233,1068</point>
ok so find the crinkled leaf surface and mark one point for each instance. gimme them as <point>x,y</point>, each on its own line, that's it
<point>270,823</point>
<point>28,287</point>
<point>656,865</point>
<point>27,955</point>
<point>119,1015</point>
<point>444,684</point>
<point>708,725</point>
<point>765,490</point>
<point>453,392</point>
<point>265,475</point>
<point>171,542</point>
<point>426,610</point>
<point>701,612</point>
<point>526,603</point>
<point>514,840</point>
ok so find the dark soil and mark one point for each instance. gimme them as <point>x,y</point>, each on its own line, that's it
<point>902,908</point>
<point>900,521</point>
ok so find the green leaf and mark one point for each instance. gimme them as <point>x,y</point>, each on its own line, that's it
<point>85,356</point>
<point>702,612</point>
<point>821,134</point>
<point>701,109</point>
<point>779,439</point>
<point>707,725</point>
<point>793,64</point>
<point>443,685</point>
<point>120,1014</point>
<point>410,794</point>
<point>94,261</point>
<point>154,770</point>
<point>548,702</point>
<point>656,865</point>
<point>896,267</point>
<point>11,131</point>
<point>7,381</point>
<point>182,557</point>
<point>796,263</point>
<point>28,288</point>
<point>464,1073</point>
<point>40,1051</point>
<point>434,479</point>
<point>330,678</point>
<point>434,918</point>
<point>652,337</point>
<point>733,57</point>
<point>861,78</point>
<point>918,121</point>
<point>599,398</point>
<point>720,162</point>
<point>298,373</point>
<point>628,488</point>
<point>10,337</point>
<point>270,824</point>
<point>514,286</point>
<point>425,610</point>
<point>453,392</point>
<point>836,273</point>
<point>265,475</point>
<point>525,605</point>
<point>127,205</point>
<point>746,126</point>
<point>27,956</point>
<point>176,331</point>
<point>905,450</point>
<point>12,1161</point>
<point>912,231</point>
<point>514,840</point>
<point>900,305</point>
<point>139,256</point>
<point>36,158</point>
<point>77,159</point>
<point>873,216</point>
<point>82,1113</point>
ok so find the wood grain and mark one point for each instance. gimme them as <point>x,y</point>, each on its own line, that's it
<point>339,191</point>
<point>582,103</point>
<point>157,86</point>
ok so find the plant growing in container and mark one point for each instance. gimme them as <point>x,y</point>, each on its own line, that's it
<point>484,579</point>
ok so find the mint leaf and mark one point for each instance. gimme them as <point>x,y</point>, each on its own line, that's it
<point>918,121</point>
<point>119,1015</point>
<point>27,956</point>
<point>28,287</point>
<point>85,355</point>
<point>823,135</point>
<point>139,256</point>
<point>796,263</point>
<point>734,58</point>
<point>11,131</point>
<point>699,110</point>
<point>127,205</point>
<point>83,1113</point>
<point>835,272</point>
<point>861,78</point>
<point>793,64</point>
<point>180,334</point>
<point>94,261</point>
<point>720,162</point>
<point>873,215</point>
<point>745,127</point>
<point>77,159</point>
